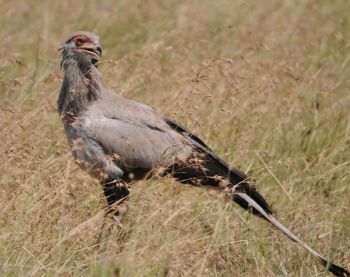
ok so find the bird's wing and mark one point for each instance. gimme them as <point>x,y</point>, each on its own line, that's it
<point>201,146</point>
<point>136,134</point>
<point>185,132</point>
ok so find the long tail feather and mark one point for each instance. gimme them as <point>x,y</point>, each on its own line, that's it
<point>336,270</point>
<point>256,196</point>
<point>244,195</point>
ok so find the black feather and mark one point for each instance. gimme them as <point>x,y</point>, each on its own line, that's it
<point>335,269</point>
<point>209,167</point>
<point>182,130</point>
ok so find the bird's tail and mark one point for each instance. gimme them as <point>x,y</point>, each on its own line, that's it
<point>240,185</point>
<point>212,170</point>
<point>336,270</point>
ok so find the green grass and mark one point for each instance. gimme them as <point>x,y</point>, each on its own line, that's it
<point>264,83</point>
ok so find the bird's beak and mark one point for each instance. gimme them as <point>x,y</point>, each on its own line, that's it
<point>93,48</point>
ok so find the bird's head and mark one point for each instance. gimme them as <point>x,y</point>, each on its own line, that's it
<point>83,46</point>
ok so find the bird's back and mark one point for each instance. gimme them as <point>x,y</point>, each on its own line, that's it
<point>132,136</point>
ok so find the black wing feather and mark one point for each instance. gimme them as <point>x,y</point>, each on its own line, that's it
<point>216,166</point>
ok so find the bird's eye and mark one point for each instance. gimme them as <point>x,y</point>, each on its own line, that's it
<point>79,41</point>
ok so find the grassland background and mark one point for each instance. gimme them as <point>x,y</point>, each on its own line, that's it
<point>265,83</point>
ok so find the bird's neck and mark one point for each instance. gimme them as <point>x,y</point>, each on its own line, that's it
<point>81,87</point>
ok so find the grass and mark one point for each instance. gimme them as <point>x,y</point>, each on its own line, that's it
<point>264,83</point>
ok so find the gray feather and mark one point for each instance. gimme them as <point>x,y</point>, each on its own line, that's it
<point>112,137</point>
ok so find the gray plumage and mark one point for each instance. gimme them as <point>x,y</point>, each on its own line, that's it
<point>117,140</point>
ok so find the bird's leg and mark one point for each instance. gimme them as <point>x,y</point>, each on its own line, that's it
<point>115,191</point>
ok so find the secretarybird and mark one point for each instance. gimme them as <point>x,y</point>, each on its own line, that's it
<point>119,140</point>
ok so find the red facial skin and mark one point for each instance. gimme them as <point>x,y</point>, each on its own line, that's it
<point>81,39</point>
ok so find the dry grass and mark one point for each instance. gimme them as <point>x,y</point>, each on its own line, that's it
<point>264,83</point>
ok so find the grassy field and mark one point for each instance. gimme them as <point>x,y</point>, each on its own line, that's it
<point>265,83</point>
